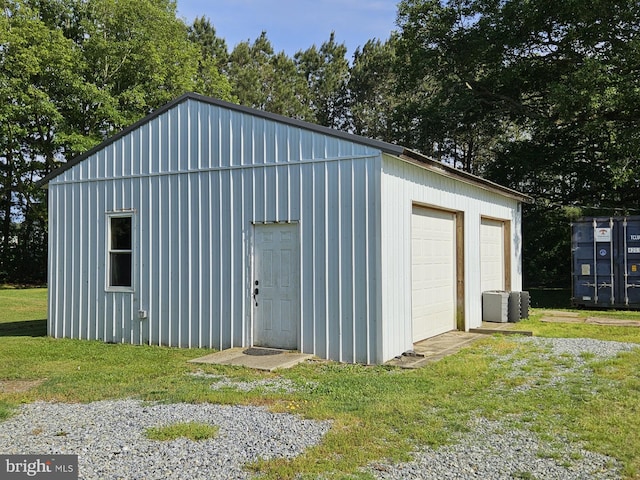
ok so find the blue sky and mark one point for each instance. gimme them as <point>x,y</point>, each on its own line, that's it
<point>293,25</point>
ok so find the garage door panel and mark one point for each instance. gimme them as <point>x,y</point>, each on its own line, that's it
<point>433,272</point>
<point>492,255</point>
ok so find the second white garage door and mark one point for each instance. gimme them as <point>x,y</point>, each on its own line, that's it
<point>433,272</point>
<point>492,255</point>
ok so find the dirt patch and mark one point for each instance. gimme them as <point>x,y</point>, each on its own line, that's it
<point>562,320</point>
<point>19,386</point>
<point>560,313</point>
<point>591,320</point>
<point>613,321</point>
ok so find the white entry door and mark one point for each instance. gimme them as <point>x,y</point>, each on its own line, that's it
<point>433,272</point>
<point>276,280</point>
<point>492,255</point>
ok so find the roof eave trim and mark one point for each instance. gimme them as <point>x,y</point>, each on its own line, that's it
<point>422,161</point>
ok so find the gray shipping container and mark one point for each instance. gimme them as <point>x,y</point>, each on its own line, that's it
<point>605,255</point>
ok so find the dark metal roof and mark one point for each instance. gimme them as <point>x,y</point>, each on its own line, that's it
<point>389,148</point>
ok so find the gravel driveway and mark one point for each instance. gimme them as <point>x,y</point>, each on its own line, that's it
<point>108,437</point>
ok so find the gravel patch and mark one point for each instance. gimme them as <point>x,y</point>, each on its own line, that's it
<point>493,450</point>
<point>576,347</point>
<point>267,385</point>
<point>566,356</point>
<point>497,450</point>
<point>109,438</point>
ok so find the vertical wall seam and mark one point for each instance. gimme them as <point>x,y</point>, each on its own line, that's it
<point>231,260</point>
<point>160,246</point>
<point>220,266</point>
<point>243,262</point>
<point>314,249</point>
<point>354,336</point>
<point>340,280</point>
<point>301,273</point>
<point>210,254</point>
<point>326,263</point>
<point>189,242</point>
<point>200,262</point>
<point>170,270</point>
<point>72,272</point>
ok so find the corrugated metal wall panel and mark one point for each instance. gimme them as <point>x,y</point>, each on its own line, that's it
<point>194,231</point>
<point>402,185</point>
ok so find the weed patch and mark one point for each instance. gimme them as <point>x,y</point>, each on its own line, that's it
<point>191,430</point>
<point>22,305</point>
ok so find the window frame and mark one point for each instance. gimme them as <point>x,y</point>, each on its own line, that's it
<point>109,251</point>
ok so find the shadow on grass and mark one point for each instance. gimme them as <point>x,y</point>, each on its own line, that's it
<point>28,328</point>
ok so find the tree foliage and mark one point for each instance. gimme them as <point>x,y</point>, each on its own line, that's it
<point>267,80</point>
<point>38,69</point>
<point>213,58</point>
<point>372,88</point>
<point>326,72</point>
<point>538,96</point>
<point>73,72</point>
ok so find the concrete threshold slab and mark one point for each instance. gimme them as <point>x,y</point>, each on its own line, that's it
<point>435,348</point>
<point>259,358</point>
<point>504,328</point>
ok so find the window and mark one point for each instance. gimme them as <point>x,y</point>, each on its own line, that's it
<point>120,252</point>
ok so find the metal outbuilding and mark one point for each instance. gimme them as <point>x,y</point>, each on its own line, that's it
<point>208,224</point>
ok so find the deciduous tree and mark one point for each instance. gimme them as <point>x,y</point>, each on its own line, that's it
<point>73,72</point>
<point>540,96</point>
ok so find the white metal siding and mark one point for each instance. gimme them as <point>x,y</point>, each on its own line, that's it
<point>404,184</point>
<point>198,177</point>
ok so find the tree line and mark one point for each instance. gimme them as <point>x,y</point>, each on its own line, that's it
<point>539,96</point>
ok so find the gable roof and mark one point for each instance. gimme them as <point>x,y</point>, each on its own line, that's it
<point>398,151</point>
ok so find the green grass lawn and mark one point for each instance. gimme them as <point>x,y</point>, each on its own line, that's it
<point>23,311</point>
<point>377,412</point>
<point>22,304</point>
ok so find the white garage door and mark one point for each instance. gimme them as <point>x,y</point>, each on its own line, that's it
<point>433,272</point>
<point>492,272</point>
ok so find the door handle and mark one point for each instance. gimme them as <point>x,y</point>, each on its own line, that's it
<point>255,293</point>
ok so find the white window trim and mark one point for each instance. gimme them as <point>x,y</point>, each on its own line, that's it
<point>108,286</point>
